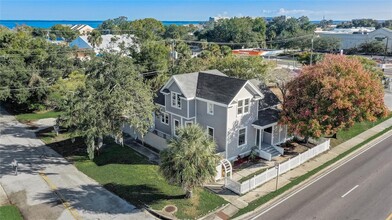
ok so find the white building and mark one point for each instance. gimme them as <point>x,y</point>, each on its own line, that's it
<point>110,43</point>
<point>83,29</point>
<point>350,38</point>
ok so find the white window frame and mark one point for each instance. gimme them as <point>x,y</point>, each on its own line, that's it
<point>174,126</point>
<point>210,104</point>
<point>163,118</point>
<point>243,106</point>
<point>213,132</point>
<point>188,122</point>
<point>177,99</point>
<point>246,134</point>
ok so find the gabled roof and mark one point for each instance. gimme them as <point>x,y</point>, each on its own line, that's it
<point>211,85</point>
<point>218,88</point>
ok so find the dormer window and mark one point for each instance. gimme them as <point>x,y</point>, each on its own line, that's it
<point>243,106</point>
<point>175,100</point>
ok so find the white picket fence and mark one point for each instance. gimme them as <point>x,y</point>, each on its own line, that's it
<point>242,188</point>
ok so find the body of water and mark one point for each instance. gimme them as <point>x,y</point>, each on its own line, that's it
<point>47,24</point>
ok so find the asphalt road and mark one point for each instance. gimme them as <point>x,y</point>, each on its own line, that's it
<point>360,189</point>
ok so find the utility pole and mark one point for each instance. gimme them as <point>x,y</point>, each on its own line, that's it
<point>311,51</point>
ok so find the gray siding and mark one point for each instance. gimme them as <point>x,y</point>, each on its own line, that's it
<point>216,121</point>
<point>183,111</point>
<point>235,123</point>
<point>161,126</point>
<point>192,108</point>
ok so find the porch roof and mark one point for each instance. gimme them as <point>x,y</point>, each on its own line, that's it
<point>266,117</point>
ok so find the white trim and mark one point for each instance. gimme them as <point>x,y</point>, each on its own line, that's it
<point>167,84</point>
<point>195,111</point>
<point>238,135</point>
<point>177,98</point>
<point>164,114</point>
<point>187,108</point>
<point>174,126</point>
<point>213,132</point>
<point>227,132</point>
<point>252,86</point>
<point>208,105</point>
<point>243,106</point>
<point>264,127</point>
<point>180,115</point>
<point>216,103</point>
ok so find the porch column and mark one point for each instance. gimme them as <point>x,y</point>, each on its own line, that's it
<point>272,135</point>
<point>260,138</point>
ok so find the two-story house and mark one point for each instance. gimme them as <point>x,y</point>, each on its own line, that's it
<point>238,114</point>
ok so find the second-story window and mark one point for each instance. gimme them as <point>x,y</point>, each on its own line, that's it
<point>175,100</point>
<point>210,108</point>
<point>165,118</point>
<point>243,106</point>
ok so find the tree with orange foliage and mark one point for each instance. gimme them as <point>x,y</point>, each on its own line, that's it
<point>331,95</point>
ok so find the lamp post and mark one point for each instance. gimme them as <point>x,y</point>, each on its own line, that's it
<point>277,174</point>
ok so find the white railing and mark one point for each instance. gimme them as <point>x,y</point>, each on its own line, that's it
<point>257,180</point>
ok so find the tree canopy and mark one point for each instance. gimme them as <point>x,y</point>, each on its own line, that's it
<point>237,30</point>
<point>114,94</point>
<point>29,66</point>
<point>331,95</point>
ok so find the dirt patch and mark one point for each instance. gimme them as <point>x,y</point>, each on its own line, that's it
<point>296,147</point>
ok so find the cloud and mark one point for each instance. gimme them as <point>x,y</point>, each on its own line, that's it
<point>293,12</point>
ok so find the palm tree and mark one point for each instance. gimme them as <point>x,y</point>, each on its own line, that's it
<point>190,159</point>
<point>94,38</point>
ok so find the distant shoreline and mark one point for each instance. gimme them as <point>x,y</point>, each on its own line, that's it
<point>93,23</point>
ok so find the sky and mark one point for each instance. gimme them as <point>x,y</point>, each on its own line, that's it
<point>192,10</point>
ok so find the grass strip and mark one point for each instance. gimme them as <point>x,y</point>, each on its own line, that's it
<point>262,200</point>
<point>10,212</point>
<point>36,116</point>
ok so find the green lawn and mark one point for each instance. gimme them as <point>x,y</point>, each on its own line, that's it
<point>10,212</point>
<point>358,128</point>
<point>131,176</point>
<point>36,116</point>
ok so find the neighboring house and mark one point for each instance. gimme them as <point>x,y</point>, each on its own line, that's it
<point>238,114</point>
<point>110,43</point>
<point>83,29</point>
<point>353,37</point>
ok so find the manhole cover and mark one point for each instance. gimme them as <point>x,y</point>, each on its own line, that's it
<point>170,208</point>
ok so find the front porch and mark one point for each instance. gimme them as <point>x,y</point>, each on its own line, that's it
<point>269,134</point>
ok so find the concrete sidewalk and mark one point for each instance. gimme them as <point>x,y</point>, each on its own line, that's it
<point>238,202</point>
<point>49,187</point>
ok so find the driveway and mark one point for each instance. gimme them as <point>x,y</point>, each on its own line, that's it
<point>49,187</point>
<point>388,99</point>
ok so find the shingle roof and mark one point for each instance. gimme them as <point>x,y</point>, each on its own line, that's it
<point>218,88</point>
<point>270,99</point>
<point>267,116</point>
<point>159,98</point>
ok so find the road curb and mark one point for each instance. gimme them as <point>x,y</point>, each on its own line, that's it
<point>319,174</point>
